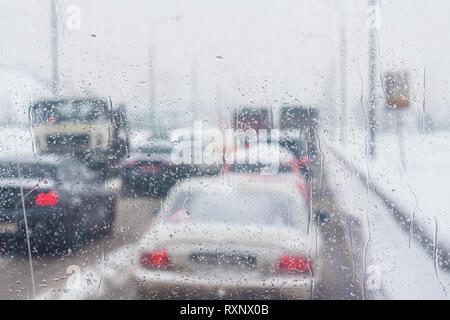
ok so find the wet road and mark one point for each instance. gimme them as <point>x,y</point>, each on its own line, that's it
<point>51,273</point>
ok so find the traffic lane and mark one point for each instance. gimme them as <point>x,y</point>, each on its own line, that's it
<point>110,278</point>
<point>343,243</point>
<point>133,217</point>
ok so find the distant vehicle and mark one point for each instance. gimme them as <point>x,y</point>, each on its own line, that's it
<point>205,161</point>
<point>62,198</point>
<point>236,236</point>
<point>267,159</point>
<point>149,170</point>
<point>298,127</point>
<point>253,118</point>
<point>86,127</point>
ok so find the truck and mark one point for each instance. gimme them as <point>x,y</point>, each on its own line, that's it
<point>255,118</point>
<point>298,130</point>
<point>90,128</point>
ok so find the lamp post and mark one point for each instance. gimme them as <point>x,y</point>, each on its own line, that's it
<point>372,24</point>
<point>54,46</point>
<point>152,59</point>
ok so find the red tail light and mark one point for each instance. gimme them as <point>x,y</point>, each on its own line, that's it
<point>155,259</point>
<point>150,168</point>
<point>49,199</point>
<point>293,264</point>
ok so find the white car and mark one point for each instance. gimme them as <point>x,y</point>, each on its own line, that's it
<point>233,236</point>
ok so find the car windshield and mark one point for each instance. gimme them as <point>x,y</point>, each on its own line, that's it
<point>69,111</point>
<point>236,208</point>
<point>345,104</point>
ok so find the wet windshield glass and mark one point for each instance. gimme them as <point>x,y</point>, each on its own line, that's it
<point>327,119</point>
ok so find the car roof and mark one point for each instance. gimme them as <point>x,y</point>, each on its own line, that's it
<point>141,138</point>
<point>278,183</point>
<point>29,157</point>
<point>265,153</point>
<point>70,99</point>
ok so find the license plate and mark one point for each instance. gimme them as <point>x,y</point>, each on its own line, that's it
<point>8,228</point>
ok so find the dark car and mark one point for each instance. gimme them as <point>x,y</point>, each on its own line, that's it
<point>61,198</point>
<point>149,170</point>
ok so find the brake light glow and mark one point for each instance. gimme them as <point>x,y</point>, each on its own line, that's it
<point>49,199</point>
<point>293,264</point>
<point>154,259</point>
<point>151,168</point>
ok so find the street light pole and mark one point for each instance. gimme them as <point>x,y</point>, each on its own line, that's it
<point>54,46</point>
<point>343,74</point>
<point>152,77</point>
<point>371,120</point>
<point>152,59</point>
<point>194,89</point>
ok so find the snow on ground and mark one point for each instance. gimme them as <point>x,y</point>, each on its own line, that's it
<point>412,171</point>
<point>418,186</point>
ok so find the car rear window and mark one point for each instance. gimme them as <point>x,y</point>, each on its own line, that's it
<point>237,207</point>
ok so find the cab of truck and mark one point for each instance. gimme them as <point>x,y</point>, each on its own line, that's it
<point>87,127</point>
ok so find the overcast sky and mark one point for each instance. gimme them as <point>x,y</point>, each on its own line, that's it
<point>239,51</point>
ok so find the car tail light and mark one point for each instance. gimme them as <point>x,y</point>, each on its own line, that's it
<point>52,120</point>
<point>154,259</point>
<point>294,264</point>
<point>151,168</point>
<point>49,199</point>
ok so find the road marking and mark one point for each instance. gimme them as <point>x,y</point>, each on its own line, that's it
<point>95,280</point>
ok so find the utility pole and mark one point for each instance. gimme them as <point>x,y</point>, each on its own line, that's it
<point>372,22</point>
<point>152,81</point>
<point>152,101</point>
<point>54,46</point>
<point>218,91</point>
<point>194,89</point>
